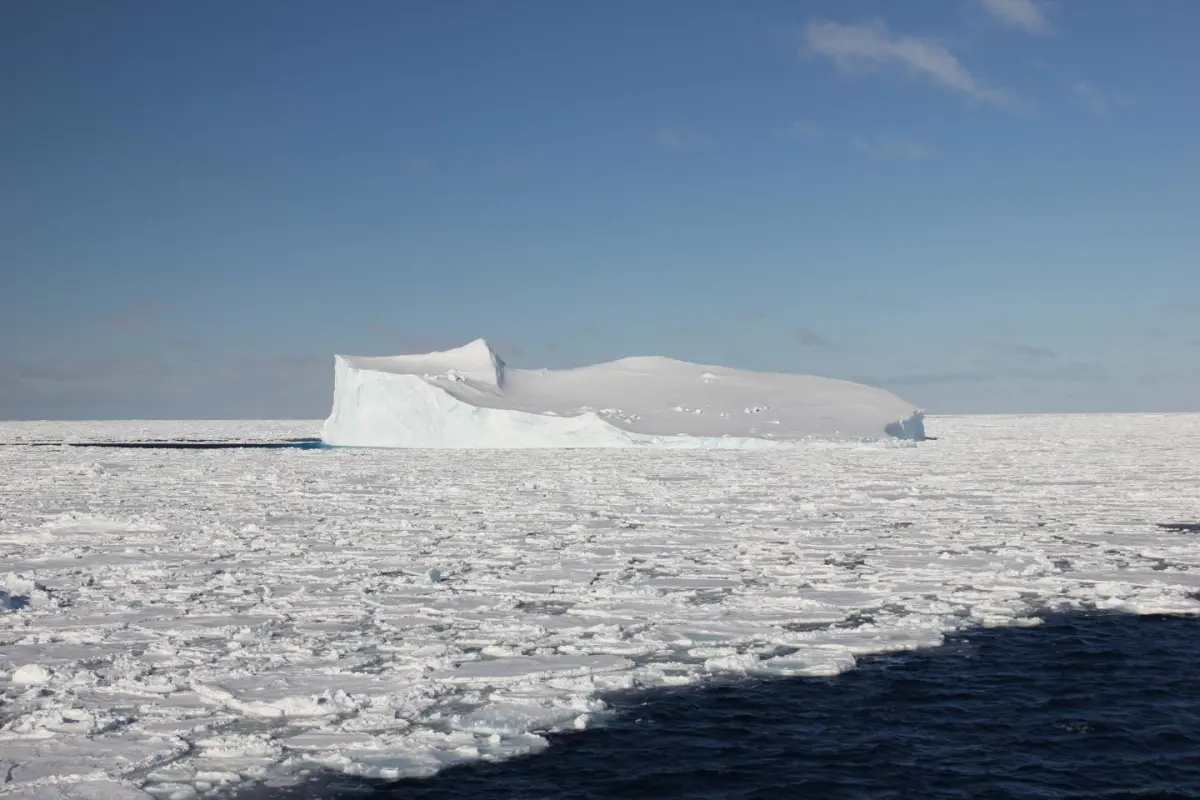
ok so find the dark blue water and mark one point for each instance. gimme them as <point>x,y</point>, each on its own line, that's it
<point>1088,706</point>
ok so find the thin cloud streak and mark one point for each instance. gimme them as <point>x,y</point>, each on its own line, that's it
<point>1088,94</point>
<point>857,48</point>
<point>892,148</point>
<point>802,130</point>
<point>1022,15</point>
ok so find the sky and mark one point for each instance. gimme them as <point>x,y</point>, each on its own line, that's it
<point>980,205</point>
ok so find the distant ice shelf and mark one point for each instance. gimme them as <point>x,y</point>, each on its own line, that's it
<point>469,398</point>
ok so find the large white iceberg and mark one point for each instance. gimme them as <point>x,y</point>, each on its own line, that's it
<point>468,398</point>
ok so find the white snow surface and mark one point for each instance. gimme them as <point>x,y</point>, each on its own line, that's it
<point>468,398</point>
<point>181,622</point>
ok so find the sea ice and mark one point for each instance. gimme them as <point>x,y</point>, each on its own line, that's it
<point>200,619</point>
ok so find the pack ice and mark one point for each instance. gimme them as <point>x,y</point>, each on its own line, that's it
<point>468,398</point>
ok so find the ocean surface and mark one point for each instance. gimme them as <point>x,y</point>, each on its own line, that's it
<point>1089,706</point>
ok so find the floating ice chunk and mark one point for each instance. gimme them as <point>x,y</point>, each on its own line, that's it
<point>171,791</point>
<point>522,668</point>
<point>740,664</point>
<point>31,675</point>
<point>87,789</point>
<point>812,662</point>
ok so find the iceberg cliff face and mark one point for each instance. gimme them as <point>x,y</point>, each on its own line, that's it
<point>468,398</point>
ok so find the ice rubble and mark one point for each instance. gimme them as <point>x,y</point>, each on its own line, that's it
<point>467,397</point>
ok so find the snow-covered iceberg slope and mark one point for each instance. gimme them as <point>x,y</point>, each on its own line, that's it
<point>468,398</point>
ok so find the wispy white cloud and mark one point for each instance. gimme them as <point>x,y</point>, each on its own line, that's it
<point>1088,94</point>
<point>798,129</point>
<point>874,46</point>
<point>680,139</point>
<point>892,148</point>
<point>1023,15</point>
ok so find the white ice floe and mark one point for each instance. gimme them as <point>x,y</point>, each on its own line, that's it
<point>193,620</point>
<point>468,398</point>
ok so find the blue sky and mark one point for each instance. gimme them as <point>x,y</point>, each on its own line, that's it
<point>982,205</point>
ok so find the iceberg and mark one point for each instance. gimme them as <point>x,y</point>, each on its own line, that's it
<point>468,398</point>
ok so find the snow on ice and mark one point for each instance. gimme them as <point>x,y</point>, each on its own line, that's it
<point>179,622</point>
<point>468,398</point>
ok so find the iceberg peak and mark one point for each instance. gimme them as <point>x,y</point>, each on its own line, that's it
<point>475,362</point>
<point>480,360</point>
